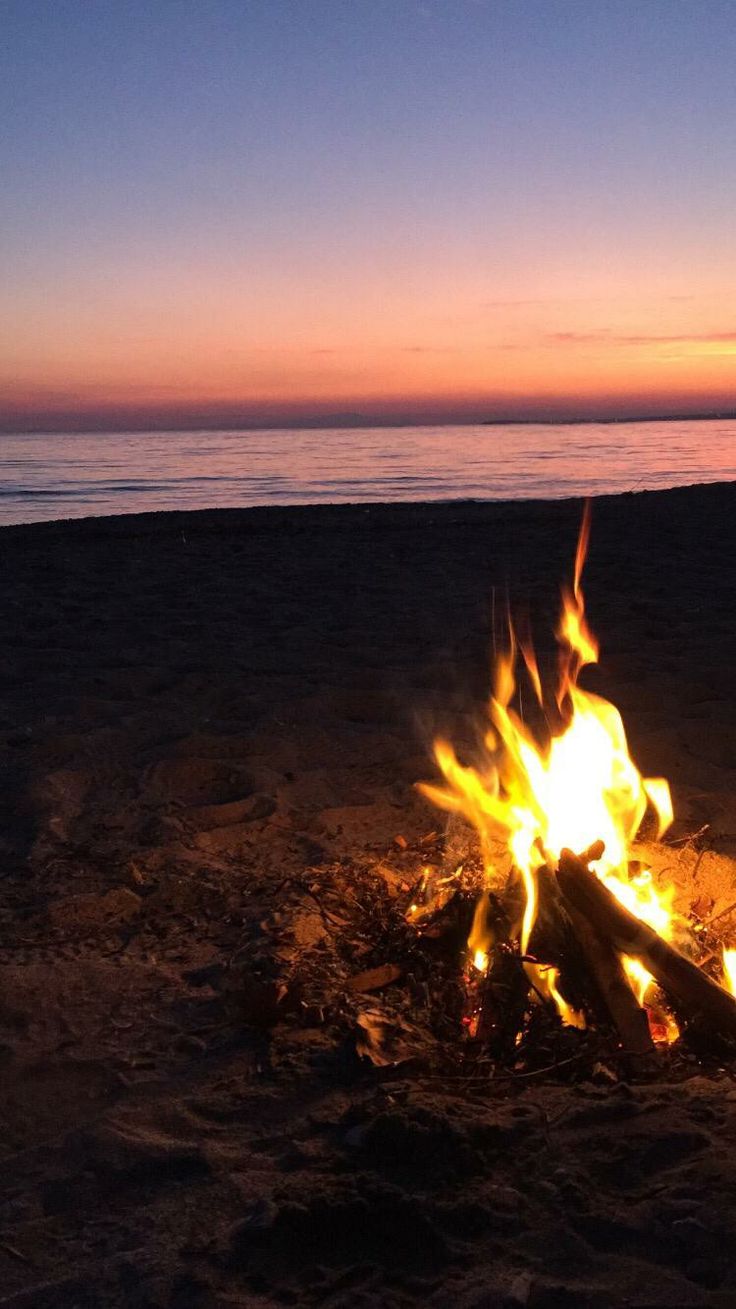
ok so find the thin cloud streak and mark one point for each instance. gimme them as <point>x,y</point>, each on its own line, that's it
<point>604,336</point>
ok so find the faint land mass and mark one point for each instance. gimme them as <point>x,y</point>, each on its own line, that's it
<point>707,416</point>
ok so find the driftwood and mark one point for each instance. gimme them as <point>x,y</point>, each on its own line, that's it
<point>696,996</point>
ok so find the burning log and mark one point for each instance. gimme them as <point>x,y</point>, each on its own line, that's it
<point>698,997</point>
<point>571,939</point>
<point>607,971</point>
<point>605,966</point>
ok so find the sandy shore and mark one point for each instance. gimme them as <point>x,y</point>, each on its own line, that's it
<point>210,725</point>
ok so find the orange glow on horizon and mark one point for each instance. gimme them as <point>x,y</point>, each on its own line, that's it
<point>178,348</point>
<point>402,209</point>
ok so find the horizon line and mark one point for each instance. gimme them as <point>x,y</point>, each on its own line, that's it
<point>360,422</point>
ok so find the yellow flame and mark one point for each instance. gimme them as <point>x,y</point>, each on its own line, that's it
<point>545,980</point>
<point>579,787</point>
<point>480,938</point>
<point>729,970</point>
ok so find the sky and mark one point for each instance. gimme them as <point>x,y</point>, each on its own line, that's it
<point>268,212</point>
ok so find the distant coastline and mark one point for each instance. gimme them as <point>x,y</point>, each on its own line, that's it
<point>351,421</point>
<point>725,415</point>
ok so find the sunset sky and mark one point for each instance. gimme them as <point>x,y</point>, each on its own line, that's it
<point>226,212</point>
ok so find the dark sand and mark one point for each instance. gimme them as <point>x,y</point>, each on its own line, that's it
<point>201,716</point>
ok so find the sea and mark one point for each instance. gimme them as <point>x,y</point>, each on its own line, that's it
<point>78,475</point>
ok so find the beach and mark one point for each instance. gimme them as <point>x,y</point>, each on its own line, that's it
<point>211,726</point>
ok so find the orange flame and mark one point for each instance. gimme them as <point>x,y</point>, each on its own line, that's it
<point>580,787</point>
<point>729,970</point>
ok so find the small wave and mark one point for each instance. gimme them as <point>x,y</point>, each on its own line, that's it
<point>80,474</point>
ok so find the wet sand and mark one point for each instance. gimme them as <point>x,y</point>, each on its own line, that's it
<point>210,727</point>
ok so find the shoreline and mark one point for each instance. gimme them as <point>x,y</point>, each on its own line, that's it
<point>151,521</point>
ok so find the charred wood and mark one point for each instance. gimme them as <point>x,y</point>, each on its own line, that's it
<point>374,979</point>
<point>499,1000</point>
<point>594,977</point>
<point>695,995</point>
<point>616,995</point>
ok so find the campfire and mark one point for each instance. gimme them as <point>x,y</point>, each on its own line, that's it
<point>566,922</point>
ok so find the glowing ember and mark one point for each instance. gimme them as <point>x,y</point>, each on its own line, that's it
<point>577,787</point>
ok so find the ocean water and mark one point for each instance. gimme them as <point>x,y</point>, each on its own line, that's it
<point>78,475</point>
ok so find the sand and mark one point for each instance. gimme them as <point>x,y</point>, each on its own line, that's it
<point>210,727</point>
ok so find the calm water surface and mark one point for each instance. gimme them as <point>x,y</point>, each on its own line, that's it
<point>73,476</point>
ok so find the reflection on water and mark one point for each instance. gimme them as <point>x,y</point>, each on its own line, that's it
<point>72,476</point>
